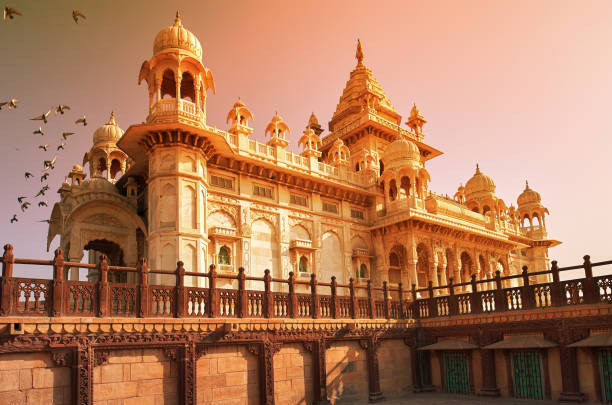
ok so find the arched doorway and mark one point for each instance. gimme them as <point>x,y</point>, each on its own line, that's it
<point>114,254</point>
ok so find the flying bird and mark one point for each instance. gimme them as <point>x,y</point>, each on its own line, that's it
<point>42,191</point>
<point>28,175</point>
<point>65,135</point>
<point>43,203</point>
<point>50,164</point>
<point>14,219</point>
<point>13,103</point>
<point>24,206</point>
<point>42,117</point>
<point>21,198</point>
<point>39,131</point>
<point>82,121</point>
<point>60,109</point>
<point>76,14</point>
<point>44,177</point>
<point>10,13</point>
<point>44,147</point>
<point>61,146</point>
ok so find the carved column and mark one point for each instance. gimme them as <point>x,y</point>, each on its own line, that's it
<point>569,365</point>
<point>370,346</point>
<point>319,372</point>
<point>489,380</point>
<point>188,377</point>
<point>265,353</point>
<point>82,373</point>
<point>7,275</point>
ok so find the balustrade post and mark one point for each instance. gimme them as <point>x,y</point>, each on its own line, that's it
<point>371,307</point>
<point>7,275</point>
<point>589,292</point>
<point>416,313</point>
<point>293,308</point>
<point>386,299</point>
<point>243,299</point>
<point>526,295</point>
<point>143,270</point>
<point>499,293</point>
<point>475,303</point>
<point>333,297</point>
<point>555,288</point>
<point>213,294</point>
<point>452,299</point>
<point>58,283</point>
<point>400,297</point>
<point>431,300</point>
<point>103,298</point>
<point>268,299</point>
<point>180,309</point>
<point>314,297</point>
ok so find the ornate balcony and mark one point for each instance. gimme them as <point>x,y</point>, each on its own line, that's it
<point>361,252</point>
<point>301,244</point>
<point>173,110</point>
<point>222,232</point>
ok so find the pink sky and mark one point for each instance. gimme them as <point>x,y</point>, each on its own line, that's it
<point>522,88</point>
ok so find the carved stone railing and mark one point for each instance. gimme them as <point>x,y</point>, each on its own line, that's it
<point>279,298</point>
<point>170,109</point>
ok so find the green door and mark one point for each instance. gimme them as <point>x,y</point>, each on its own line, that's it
<point>527,374</point>
<point>456,372</point>
<point>605,372</point>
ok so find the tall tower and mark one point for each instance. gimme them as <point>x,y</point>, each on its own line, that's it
<point>172,148</point>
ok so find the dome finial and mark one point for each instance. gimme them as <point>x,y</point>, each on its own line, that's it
<point>111,120</point>
<point>359,53</point>
<point>477,168</point>
<point>526,185</point>
<point>177,20</point>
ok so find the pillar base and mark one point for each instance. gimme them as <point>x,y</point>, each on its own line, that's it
<point>489,392</point>
<point>375,397</point>
<point>572,397</point>
<point>424,388</point>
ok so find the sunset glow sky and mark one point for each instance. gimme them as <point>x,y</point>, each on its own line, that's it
<point>522,88</point>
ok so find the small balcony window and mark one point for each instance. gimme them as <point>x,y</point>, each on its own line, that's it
<point>303,266</point>
<point>224,257</point>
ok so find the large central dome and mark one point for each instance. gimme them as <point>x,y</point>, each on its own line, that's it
<point>179,38</point>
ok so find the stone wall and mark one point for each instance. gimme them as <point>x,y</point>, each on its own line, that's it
<point>293,376</point>
<point>136,377</point>
<point>33,378</point>
<point>395,368</point>
<point>347,373</point>
<point>227,375</point>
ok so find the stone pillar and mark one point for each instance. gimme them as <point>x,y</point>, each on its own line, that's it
<point>487,363</point>
<point>82,372</point>
<point>187,380</point>
<point>569,366</point>
<point>319,372</point>
<point>370,346</point>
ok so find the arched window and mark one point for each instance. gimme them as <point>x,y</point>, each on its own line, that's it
<point>357,167</point>
<point>303,266</point>
<point>224,257</point>
<point>393,259</point>
<point>187,87</point>
<point>381,166</point>
<point>363,271</point>
<point>115,169</point>
<point>485,209</point>
<point>392,190</point>
<point>168,86</point>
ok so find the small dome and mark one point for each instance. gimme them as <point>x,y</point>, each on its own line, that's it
<point>400,153</point>
<point>77,168</point>
<point>177,37</point>
<point>98,184</point>
<point>528,196</point>
<point>109,132</point>
<point>479,183</point>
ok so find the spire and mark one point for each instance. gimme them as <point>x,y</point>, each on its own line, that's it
<point>477,169</point>
<point>111,120</point>
<point>526,185</point>
<point>359,53</point>
<point>177,20</point>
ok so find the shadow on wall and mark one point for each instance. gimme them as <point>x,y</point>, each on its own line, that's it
<point>347,378</point>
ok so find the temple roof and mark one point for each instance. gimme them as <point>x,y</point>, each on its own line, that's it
<point>361,90</point>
